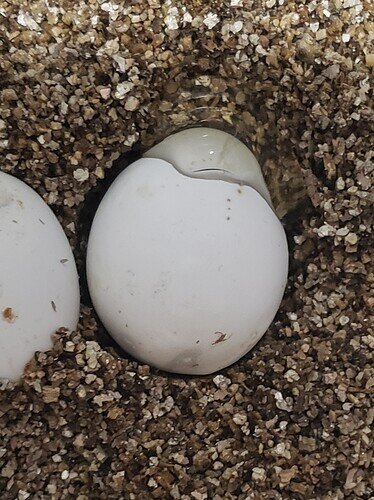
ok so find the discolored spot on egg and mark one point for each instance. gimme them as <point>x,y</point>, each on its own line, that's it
<point>222,338</point>
<point>5,197</point>
<point>8,315</point>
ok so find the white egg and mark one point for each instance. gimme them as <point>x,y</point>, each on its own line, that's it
<point>39,289</point>
<point>186,273</point>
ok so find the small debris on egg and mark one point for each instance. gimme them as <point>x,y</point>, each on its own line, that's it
<point>222,337</point>
<point>8,315</point>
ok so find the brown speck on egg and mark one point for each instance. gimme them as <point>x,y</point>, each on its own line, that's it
<point>222,338</point>
<point>53,306</point>
<point>8,315</point>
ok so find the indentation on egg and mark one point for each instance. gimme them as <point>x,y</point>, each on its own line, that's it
<point>162,284</point>
<point>5,198</point>
<point>145,191</point>
<point>187,358</point>
<point>8,315</point>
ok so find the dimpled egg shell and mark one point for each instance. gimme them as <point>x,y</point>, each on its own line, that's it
<point>39,289</point>
<point>186,274</point>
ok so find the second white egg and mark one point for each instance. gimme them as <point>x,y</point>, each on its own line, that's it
<point>185,273</point>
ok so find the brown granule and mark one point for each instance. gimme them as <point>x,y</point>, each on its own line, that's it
<point>85,82</point>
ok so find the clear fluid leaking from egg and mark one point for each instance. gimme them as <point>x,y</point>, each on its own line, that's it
<point>197,261</point>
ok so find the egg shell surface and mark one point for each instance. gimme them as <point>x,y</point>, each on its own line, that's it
<point>209,153</point>
<point>39,287</point>
<point>186,274</point>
